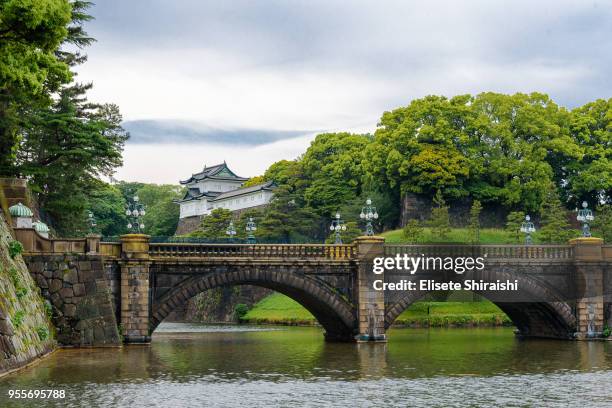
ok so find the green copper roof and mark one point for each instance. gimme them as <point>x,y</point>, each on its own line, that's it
<point>40,226</point>
<point>20,210</point>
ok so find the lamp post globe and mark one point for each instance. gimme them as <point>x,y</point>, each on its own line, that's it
<point>134,212</point>
<point>337,225</point>
<point>528,228</point>
<point>250,229</point>
<point>585,216</point>
<point>369,213</point>
<point>231,230</point>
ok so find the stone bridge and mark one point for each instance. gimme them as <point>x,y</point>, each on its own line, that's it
<point>96,287</point>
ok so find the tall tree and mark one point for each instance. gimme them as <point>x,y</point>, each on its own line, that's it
<point>514,220</point>
<point>65,149</point>
<point>555,227</point>
<point>31,32</point>
<point>162,213</point>
<point>590,178</point>
<point>474,225</point>
<point>603,222</point>
<point>440,220</point>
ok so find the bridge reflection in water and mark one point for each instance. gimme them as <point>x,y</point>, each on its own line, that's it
<point>563,289</point>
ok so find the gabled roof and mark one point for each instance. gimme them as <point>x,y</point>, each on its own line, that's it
<point>242,191</point>
<point>216,172</point>
<point>195,194</point>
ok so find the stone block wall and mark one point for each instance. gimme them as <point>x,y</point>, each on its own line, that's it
<point>78,288</point>
<point>26,332</point>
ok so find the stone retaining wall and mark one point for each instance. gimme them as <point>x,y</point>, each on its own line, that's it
<point>80,291</point>
<point>26,332</point>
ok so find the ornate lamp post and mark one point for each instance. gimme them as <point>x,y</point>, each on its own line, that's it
<point>585,215</point>
<point>231,231</point>
<point>337,225</point>
<point>134,211</point>
<point>528,228</point>
<point>250,229</point>
<point>368,213</point>
<point>91,220</point>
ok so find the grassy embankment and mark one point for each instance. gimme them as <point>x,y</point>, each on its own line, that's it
<point>279,309</point>
<point>457,236</point>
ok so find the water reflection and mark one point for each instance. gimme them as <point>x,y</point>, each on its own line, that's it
<point>190,365</point>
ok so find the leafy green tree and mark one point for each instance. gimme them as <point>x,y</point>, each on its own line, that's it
<point>214,225</point>
<point>162,213</point>
<point>253,181</point>
<point>417,148</point>
<point>514,220</point>
<point>413,231</point>
<point>65,149</point>
<point>474,225</point>
<point>108,206</point>
<point>590,178</point>
<point>285,220</point>
<point>31,32</point>
<point>440,219</point>
<point>332,167</point>
<point>603,222</point>
<point>555,227</point>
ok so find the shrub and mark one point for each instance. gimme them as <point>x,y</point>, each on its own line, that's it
<point>15,248</point>
<point>48,309</point>
<point>20,290</point>
<point>17,319</point>
<point>413,231</point>
<point>240,310</point>
<point>43,332</point>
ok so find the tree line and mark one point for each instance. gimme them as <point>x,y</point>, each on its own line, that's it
<point>517,153</point>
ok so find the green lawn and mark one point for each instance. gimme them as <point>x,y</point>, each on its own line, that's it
<point>458,236</point>
<point>481,313</point>
<point>280,309</point>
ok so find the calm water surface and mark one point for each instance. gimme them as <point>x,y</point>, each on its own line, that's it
<point>224,366</point>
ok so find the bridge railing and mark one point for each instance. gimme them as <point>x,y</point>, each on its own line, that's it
<point>488,251</point>
<point>307,251</point>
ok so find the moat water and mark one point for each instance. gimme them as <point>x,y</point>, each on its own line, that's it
<point>190,365</point>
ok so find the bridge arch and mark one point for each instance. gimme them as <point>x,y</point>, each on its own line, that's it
<point>332,311</point>
<point>551,318</point>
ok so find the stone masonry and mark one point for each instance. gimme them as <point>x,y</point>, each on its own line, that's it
<point>76,286</point>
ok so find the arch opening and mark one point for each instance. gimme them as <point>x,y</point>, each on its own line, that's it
<point>553,319</point>
<point>332,311</point>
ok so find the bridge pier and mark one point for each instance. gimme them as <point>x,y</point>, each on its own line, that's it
<point>135,304</point>
<point>370,303</point>
<point>593,285</point>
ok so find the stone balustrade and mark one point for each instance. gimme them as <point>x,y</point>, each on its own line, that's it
<point>307,251</point>
<point>530,252</point>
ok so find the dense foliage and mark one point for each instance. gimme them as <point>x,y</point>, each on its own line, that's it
<point>50,133</point>
<point>508,152</point>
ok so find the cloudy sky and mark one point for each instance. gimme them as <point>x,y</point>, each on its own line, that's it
<point>251,82</point>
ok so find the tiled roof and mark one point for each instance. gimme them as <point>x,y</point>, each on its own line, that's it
<point>242,191</point>
<point>218,171</point>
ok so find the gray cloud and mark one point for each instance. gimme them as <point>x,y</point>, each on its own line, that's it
<point>404,49</point>
<point>184,132</point>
